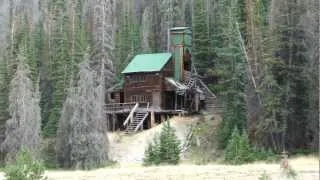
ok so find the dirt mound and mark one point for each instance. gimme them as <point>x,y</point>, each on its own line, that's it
<point>130,148</point>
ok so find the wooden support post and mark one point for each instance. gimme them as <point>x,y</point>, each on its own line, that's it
<point>185,101</point>
<point>175,101</point>
<point>108,122</point>
<point>114,119</point>
<point>153,120</point>
<point>131,118</point>
<point>163,118</point>
<point>197,101</point>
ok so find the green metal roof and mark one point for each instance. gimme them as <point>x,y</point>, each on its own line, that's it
<point>179,28</point>
<point>147,63</point>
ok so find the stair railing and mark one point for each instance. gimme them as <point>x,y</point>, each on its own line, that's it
<point>130,116</point>
<point>141,122</point>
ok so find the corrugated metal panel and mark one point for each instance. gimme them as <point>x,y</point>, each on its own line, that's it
<point>178,55</point>
<point>180,41</point>
<point>147,63</point>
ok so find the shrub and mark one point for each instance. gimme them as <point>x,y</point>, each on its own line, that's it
<point>25,168</point>
<point>152,155</point>
<point>265,176</point>
<point>49,153</point>
<point>289,173</point>
<point>164,149</point>
<point>238,149</point>
<point>260,154</point>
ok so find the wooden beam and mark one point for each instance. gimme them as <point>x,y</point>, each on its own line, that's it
<point>130,116</point>
<point>153,120</point>
<point>114,118</point>
<point>175,101</point>
<point>163,118</point>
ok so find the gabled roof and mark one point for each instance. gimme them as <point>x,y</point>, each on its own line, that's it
<point>147,63</point>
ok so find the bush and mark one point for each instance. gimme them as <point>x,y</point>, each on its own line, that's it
<point>25,168</point>
<point>164,149</point>
<point>238,149</point>
<point>49,155</point>
<point>265,176</point>
<point>263,155</point>
<point>152,155</point>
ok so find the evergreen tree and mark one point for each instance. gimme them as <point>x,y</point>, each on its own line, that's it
<point>164,149</point>
<point>4,94</point>
<point>286,83</point>
<point>127,39</point>
<point>4,81</point>
<point>59,67</point>
<point>169,150</point>
<point>238,149</point>
<point>232,74</point>
<point>201,53</point>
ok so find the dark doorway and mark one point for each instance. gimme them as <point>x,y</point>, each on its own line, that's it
<point>121,97</point>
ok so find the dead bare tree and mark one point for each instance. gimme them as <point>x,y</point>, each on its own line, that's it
<point>82,140</point>
<point>24,127</point>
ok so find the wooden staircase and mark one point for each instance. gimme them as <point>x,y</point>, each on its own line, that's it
<point>190,83</point>
<point>137,122</point>
<point>188,80</point>
<point>136,118</point>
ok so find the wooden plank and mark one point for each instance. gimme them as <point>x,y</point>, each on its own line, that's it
<point>130,116</point>
<point>153,120</point>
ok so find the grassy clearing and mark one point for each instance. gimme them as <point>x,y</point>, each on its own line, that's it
<point>306,168</point>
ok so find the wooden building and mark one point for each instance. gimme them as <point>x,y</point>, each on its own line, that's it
<point>157,85</point>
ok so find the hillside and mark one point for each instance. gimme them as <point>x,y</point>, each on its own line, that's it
<point>130,148</point>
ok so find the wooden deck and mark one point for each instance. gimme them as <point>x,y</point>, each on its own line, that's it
<point>123,108</point>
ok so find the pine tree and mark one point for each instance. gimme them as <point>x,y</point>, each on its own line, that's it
<point>169,145</point>
<point>163,149</point>
<point>286,63</point>
<point>232,73</point>
<point>201,53</point>
<point>23,128</point>
<point>238,150</point>
<point>59,67</point>
<point>4,94</point>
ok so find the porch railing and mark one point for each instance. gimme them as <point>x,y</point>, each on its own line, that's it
<point>114,107</point>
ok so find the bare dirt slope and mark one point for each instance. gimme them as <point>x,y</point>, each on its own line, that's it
<point>307,169</point>
<point>130,148</point>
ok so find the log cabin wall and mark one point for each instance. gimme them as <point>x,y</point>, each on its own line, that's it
<point>147,86</point>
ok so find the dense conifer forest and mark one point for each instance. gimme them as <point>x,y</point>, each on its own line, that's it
<point>58,57</point>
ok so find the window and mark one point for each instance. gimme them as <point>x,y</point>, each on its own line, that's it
<point>138,78</point>
<point>134,98</point>
<point>141,98</point>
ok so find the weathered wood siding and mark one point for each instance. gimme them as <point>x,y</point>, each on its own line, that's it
<point>147,87</point>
